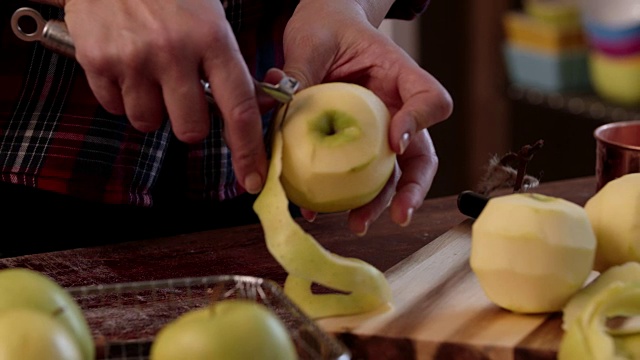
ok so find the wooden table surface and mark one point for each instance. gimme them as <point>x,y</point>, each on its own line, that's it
<point>241,250</point>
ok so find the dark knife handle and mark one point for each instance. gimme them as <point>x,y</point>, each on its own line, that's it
<point>471,203</point>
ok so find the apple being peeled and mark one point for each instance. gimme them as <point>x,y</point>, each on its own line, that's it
<point>230,329</point>
<point>532,252</point>
<point>22,288</point>
<point>336,153</point>
<point>27,334</point>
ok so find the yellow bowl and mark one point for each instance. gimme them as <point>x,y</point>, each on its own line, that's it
<point>525,30</point>
<point>616,79</point>
<point>557,12</point>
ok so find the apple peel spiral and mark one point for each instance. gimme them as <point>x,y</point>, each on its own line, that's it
<point>360,287</point>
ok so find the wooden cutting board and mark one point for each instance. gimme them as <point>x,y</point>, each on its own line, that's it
<point>440,312</point>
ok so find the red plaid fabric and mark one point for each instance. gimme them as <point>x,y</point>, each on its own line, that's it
<point>55,136</point>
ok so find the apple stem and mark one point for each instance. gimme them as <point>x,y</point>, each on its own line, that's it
<point>520,160</point>
<point>510,171</point>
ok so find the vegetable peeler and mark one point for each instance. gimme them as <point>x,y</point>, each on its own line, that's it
<point>54,35</point>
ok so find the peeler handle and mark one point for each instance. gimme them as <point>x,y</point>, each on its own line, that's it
<point>55,36</point>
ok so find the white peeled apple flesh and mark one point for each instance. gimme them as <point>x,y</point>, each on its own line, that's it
<point>232,329</point>
<point>22,288</point>
<point>336,153</point>
<point>531,252</point>
<point>614,212</point>
<point>27,334</point>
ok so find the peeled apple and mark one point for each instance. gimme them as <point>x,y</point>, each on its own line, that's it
<point>355,286</point>
<point>614,212</point>
<point>335,153</point>
<point>531,252</point>
<point>588,336</point>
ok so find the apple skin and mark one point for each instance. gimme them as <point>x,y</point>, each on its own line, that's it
<point>336,154</point>
<point>614,212</point>
<point>614,292</point>
<point>27,334</point>
<point>230,329</point>
<point>29,289</point>
<point>625,273</point>
<point>531,252</point>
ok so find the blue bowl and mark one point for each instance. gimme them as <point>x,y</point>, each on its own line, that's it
<point>610,33</point>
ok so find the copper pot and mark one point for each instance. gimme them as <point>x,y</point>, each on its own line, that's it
<point>617,150</point>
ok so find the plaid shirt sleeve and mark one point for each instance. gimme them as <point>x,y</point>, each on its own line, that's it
<point>55,136</point>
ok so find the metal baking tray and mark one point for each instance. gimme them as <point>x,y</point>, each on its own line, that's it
<point>124,317</point>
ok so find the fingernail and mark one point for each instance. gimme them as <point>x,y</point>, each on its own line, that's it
<point>253,183</point>
<point>364,231</point>
<point>404,142</point>
<point>408,219</point>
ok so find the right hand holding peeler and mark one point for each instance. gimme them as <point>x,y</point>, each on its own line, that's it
<point>54,35</point>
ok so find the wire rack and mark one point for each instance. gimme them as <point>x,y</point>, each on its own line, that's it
<point>125,317</point>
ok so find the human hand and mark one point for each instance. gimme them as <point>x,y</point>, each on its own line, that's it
<point>146,58</point>
<point>349,48</point>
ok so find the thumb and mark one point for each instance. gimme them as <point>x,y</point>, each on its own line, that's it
<point>306,66</point>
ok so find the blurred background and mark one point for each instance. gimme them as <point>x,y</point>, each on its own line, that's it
<point>521,71</point>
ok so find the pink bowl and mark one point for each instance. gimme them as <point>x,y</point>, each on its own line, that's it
<point>627,47</point>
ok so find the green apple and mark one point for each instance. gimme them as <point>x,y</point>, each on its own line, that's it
<point>233,329</point>
<point>614,212</point>
<point>29,289</point>
<point>531,252</point>
<point>27,334</point>
<point>336,153</point>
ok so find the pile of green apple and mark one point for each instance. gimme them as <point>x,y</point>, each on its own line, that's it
<point>330,153</point>
<point>534,254</point>
<point>232,329</point>
<point>40,320</point>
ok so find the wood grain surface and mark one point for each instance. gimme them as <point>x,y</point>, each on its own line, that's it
<point>439,310</point>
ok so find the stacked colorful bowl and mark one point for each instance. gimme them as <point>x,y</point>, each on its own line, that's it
<point>612,29</point>
<point>545,46</point>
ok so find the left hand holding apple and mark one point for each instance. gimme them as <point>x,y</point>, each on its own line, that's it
<point>349,48</point>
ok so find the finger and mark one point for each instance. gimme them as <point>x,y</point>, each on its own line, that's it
<point>108,93</point>
<point>186,105</point>
<point>308,215</point>
<point>305,65</point>
<point>234,91</point>
<point>143,104</point>
<point>419,165</point>
<point>426,102</point>
<point>360,218</point>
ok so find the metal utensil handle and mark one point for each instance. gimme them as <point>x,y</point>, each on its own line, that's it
<point>55,36</point>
